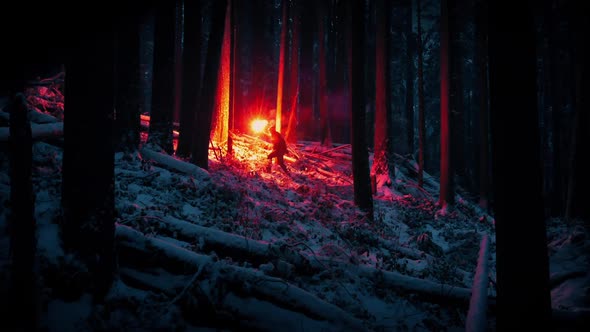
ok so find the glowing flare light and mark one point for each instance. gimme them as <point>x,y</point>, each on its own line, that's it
<point>258,125</point>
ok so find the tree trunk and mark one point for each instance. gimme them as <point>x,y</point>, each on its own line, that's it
<point>88,198</point>
<point>160,133</point>
<point>233,56</point>
<point>22,226</point>
<point>457,172</point>
<point>202,124</point>
<point>481,59</point>
<point>446,189</point>
<point>522,284</point>
<point>421,106</point>
<point>220,119</point>
<point>360,159</point>
<point>410,41</point>
<point>191,63</point>
<point>577,206</point>
<point>127,100</point>
<point>282,67</point>
<point>382,134</point>
<point>325,133</point>
<point>291,133</point>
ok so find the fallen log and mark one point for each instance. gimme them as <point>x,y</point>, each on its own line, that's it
<point>247,280</point>
<point>235,246</point>
<point>38,131</point>
<point>175,164</point>
<point>478,304</point>
<point>242,248</point>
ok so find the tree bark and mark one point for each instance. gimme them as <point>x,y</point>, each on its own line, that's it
<point>202,124</point>
<point>410,42</point>
<point>381,159</point>
<point>360,159</point>
<point>446,173</point>
<point>22,224</point>
<point>322,85</point>
<point>161,115</point>
<point>522,284</point>
<point>88,198</point>
<point>191,78</point>
<point>291,133</point>
<point>127,100</point>
<point>421,106</point>
<point>484,143</point>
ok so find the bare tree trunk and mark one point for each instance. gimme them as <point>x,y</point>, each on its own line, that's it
<point>522,284</point>
<point>233,74</point>
<point>325,133</point>
<point>282,66</point>
<point>191,77</point>
<point>446,174</point>
<point>381,141</point>
<point>200,155</point>
<point>88,197</point>
<point>360,159</point>
<point>481,58</point>
<point>160,132</point>
<point>290,134</point>
<point>22,226</point>
<point>577,206</point>
<point>421,120</point>
<point>127,108</point>
<point>410,41</point>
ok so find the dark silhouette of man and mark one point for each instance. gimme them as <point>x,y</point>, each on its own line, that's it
<point>279,149</point>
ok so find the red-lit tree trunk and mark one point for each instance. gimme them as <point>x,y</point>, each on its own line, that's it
<point>523,293</point>
<point>446,189</point>
<point>282,66</point>
<point>482,81</point>
<point>191,63</point>
<point>160,131</point>
<point>128,98</point>
<point>221,110</point>
<point>410,41</point>
<point>325,134</point>
<point>360,159</point>
<point>88,197</point>
<point>233,75</point>
<point>421,120</point>
<point>202,124</point>
<point>381,157</point>
<point>290,134</point>
<point>22,226</point>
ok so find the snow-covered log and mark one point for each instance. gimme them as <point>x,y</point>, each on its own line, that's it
<point>478,305</point>
<point>244,280</point>
<point>40,117</point>
<point>235,246</point>
<point>239,247</point>
<point>286,295</point>
<point>39,131</point>
<point>422,286</point>
<point>175,164</point>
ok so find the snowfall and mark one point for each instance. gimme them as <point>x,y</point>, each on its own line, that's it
<point>236,246</point>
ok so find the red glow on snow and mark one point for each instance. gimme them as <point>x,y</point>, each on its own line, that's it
<point>258,125</point>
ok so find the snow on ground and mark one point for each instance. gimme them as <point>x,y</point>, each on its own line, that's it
<point>311,213</point>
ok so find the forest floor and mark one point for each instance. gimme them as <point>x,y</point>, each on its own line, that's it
<point>238,248</point>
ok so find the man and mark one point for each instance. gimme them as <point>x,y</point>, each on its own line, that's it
<point>279,149</point>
